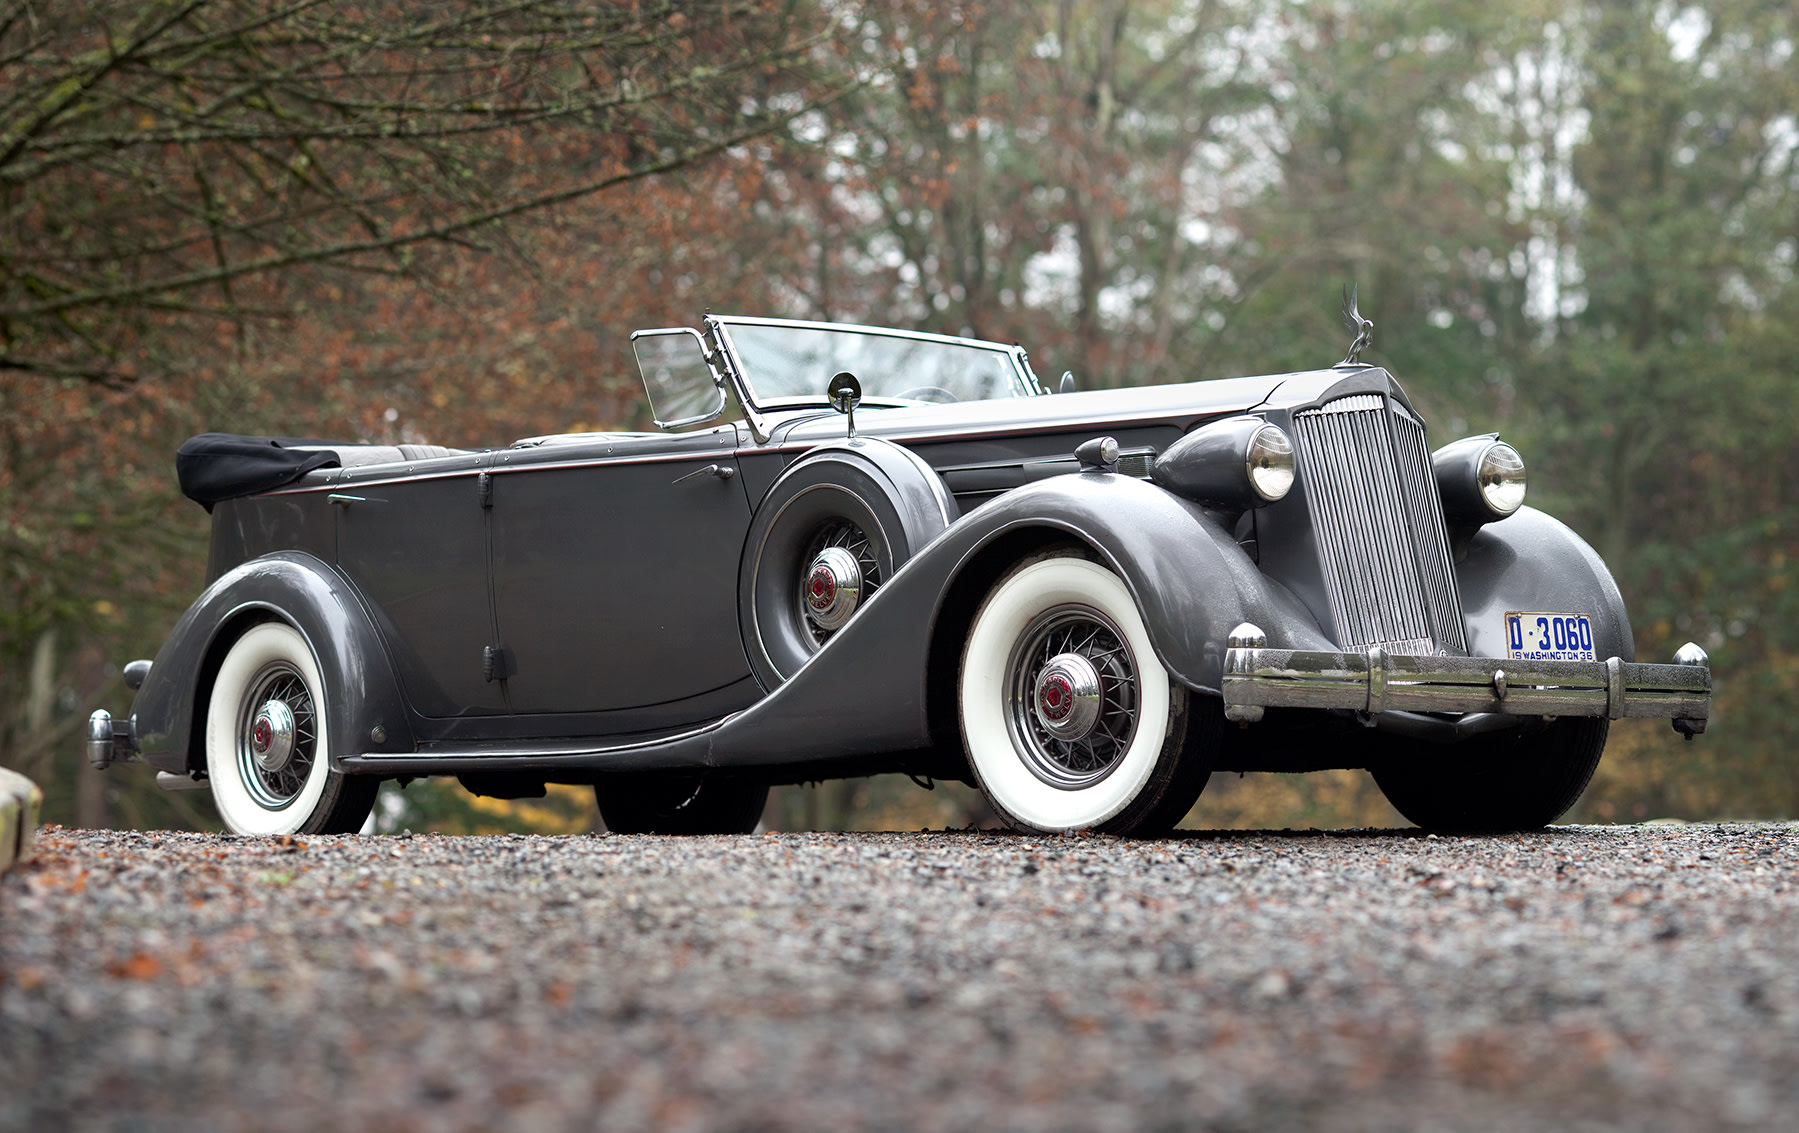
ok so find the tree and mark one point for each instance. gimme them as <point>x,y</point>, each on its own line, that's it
<point>1021,171</point>
<point>194,192</point>
<point>1665,397</point>
<point>160,162</point>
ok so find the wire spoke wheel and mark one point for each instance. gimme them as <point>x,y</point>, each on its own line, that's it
<point>1065,758</point>
<point>851,539</point>
<point>278,688</point>
<point>268,757</point>
<point>1069,720</point>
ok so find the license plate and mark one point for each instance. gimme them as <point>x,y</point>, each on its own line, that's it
<point>1533,635</point>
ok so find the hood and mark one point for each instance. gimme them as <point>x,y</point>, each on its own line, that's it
<point>1090,411</point>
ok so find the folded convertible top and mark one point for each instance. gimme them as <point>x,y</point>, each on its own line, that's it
<point>223,466</point>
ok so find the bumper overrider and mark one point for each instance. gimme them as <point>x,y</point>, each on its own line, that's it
<point>1376,682</point>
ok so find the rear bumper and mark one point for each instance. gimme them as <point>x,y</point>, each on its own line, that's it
<point>110,741</point>
<point>1374,681</point>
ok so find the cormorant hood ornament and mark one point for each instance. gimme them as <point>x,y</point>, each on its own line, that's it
<point>1362,328</point>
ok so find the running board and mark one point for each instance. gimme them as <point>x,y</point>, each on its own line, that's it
<point>678,751</point>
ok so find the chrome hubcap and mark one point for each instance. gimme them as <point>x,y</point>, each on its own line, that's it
<point>1071,696</point>
<point>832,587</point>
<point>272,736</point>
<point>1068,696</point>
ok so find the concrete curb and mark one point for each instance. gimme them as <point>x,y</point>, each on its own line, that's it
<point>20,799</point>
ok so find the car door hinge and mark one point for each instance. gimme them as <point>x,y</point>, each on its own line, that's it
<point>484,489</point>
<point>496,663</point>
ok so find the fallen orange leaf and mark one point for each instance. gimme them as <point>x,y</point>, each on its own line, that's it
<point>141,966</point>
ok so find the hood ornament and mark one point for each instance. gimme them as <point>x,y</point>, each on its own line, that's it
<point>1362,328</point>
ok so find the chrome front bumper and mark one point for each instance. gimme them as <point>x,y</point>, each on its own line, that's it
<point>1375,681</point>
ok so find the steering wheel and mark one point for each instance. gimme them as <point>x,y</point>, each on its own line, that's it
<point>927,393</point>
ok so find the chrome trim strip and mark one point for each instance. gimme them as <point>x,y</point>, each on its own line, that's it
<point>863,328</point>
<point>710,457</point>
<point>300,487</point>
<point>1377,681</point>
<point>502,469</point>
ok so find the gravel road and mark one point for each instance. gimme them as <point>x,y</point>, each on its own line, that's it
<point>1591,977</point>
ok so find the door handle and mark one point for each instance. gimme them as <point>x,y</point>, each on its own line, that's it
<point>722,471</point>
<point>342,500</point>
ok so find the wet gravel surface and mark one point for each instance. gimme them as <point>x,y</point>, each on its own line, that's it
<point>1588,978</point>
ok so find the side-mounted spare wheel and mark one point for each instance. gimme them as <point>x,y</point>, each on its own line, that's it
<point>1069,720</point>
<point>829,534</point>
<point>268,752</point>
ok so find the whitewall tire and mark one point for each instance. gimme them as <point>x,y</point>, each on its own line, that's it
<point>1069,720</point>
<point>268,756</point>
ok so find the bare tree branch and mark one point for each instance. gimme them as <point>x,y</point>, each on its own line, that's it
<point>148,153</point>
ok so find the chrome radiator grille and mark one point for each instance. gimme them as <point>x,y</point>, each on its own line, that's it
<point>1379,525</point>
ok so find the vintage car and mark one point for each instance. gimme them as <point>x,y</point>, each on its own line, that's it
<point>901,554</point>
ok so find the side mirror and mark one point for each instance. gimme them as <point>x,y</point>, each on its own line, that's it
<point>845,393</point>
<point>682,388</point>
<point>1067,382</point>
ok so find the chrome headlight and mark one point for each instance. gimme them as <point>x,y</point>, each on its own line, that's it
<point>1270,460</point>
<point>1501,479</point>
<point>1240,462</point>
<point>1481,479</point>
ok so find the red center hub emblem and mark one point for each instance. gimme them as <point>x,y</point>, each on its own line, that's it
<point>822,590</point>
<point>1058,696</point>
<point>261,733</point>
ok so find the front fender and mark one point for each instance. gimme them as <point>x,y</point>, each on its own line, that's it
<point>361,690</point>
<point>1192,581</point>
<point>1533,561</point>
<point>879,683</point>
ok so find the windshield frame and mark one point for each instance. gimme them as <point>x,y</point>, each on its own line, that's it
<point>718,329</point>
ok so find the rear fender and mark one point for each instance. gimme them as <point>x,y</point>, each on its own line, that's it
<point>361,692</point>
<point>1532,561</point>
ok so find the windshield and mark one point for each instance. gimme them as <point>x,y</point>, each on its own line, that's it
<point>786,363</point>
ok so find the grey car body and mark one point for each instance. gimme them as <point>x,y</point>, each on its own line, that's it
<point>595,607</point>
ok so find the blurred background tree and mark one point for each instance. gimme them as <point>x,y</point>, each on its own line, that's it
<point>1574,224</point>
<point>287,218</point>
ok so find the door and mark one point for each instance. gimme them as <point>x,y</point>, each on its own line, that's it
<point>417,551</point>
<point>615,571</point>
